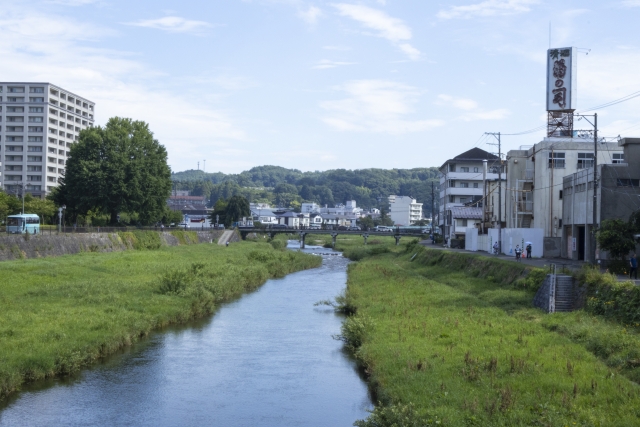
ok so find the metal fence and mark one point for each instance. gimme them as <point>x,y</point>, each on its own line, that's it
<point>71,229</point>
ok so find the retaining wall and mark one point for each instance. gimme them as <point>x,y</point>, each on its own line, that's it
<point>14,246</point>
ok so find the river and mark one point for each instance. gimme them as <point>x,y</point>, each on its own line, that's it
<point>267,359</point>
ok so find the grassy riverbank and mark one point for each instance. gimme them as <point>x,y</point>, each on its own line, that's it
<point>455,338</point>
<point>60,314</point>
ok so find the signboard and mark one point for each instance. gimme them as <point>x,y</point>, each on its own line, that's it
<point>561,79</point>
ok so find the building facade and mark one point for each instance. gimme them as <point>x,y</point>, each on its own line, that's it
<point>535,182</point>
<point>404,210</point>
<point>38,124</point>
<point>466,180</point>
<point>617,197</point>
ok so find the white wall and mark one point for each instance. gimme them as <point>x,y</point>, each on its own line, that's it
<point>510,238</point>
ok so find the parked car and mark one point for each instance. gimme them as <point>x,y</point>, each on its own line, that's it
<point>315,226</point>
<point>279,226</point>
<point>354,228</point>
<point>343,228</point>
<point>218,226</point>
<point>384,228</point>
<point>183,225</point>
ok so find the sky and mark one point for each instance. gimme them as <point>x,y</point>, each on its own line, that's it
<point>317,85</point>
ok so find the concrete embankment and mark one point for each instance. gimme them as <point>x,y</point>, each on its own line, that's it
<point>45,245</point>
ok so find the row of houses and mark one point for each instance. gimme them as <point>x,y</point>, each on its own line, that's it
<point>547,187</point>
<point>307,218</point>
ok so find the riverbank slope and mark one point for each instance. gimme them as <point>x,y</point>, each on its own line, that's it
<point>60,314</point>
<point>456,339</point>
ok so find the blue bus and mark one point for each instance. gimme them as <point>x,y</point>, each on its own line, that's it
<point>23,223</point>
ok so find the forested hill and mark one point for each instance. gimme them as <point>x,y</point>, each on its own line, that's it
<point>290,187</point>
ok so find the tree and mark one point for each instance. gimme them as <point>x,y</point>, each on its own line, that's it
<point>219,213</point>
<point>616,237</point>
<point>117,168</point>
<point>237,208</point>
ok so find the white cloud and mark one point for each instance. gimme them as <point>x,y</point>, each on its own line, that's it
<point>327,63</point>
<point>378,106</point>
<point>53,48</point>
<point>471,108</point>
<point>631,3</point>
<point>172,24</point>
<point>311,15</point>
<point>385,26</point>
<point>488,8</point>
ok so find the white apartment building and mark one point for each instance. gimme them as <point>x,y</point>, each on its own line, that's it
<point>38,124</point>
<point>404,210</point>
<point>535,181</point>
<point>463,182</point>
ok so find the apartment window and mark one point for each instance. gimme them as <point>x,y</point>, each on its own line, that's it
<point>62,143</point>
<point>38,110</point>
<point>84,123</point>
<point>560,195</point>
<point>15,89</point>
<point>15,119</point>
<point>70,127</point>
<point>556,160</point>
<point>54,102</point>
<point>617,158</point>
<point>63,105</point>
<point>464,184</point>
<point>34,168</point>
<point>14,139</point>
<point>13,158</point>
<point>84,105</point>
<point>622,182</point>
<point>61,152</point>
<point>52,111</point>
<point>13,148</point>
<point>53,140</point>
<point>52,150</point>
<point>60,162</point>
<point>84,114</point>
<point>585,160</point>
<point>63,96</point>
<point>15,128</point>
<point>452,199</point>
<point>12,168</point>
<point>36,129</point>
<point>70,135</point>
<point>15,99</point>
<point>50,169</point>
<point>68,153</point>
<point>36,90</point>
<point>475,169</point>
<point>53,92</point>
<point>36,119</point>
<point>36,99</point>
<point>51,178</point>
<point>464,169</point>
<point>53,121</point>
<point>463,222</point>
<point>71,99</point>
<point>35,139</point>
<point>475,185</point>
<point>34,187</point>
<point>464,200</point>
<point>13,177</point>
<point>34,178</point>
<point>452,183</point>
<point>34,158</point>
<point>15,109</point>
<point>34,149</point>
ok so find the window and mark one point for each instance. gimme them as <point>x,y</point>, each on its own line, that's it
<point>36,129</point>
<point>464,169</point>
<point>34,178</point>
<point>13,148</point>
<point>560,195</point>
<point>34,187</point>
<point>52,150</point>
<point>34,149</point>
<point>14,139</point>
<point>13,177</point>
<point>52,111</point>
<point>51,178</point>
<point>35,139</point>
<point>61,152</point>
<point>34,158</point>
<point>15,109</point>
<point>13,168</point>
<point>556,160</point>
<point>36,90</point>
<point>464,185</point>
<point>53,92</point>
<point>63,96</point>
<point>15,119</point>
<point>15,128</point>
<point>34,168</point>
<point>37,119</point>
<point>617,158</point>
<point>15,99</point>
<point>585,160</point>
<point>622,182</point>
<point>452,199</point>
<point>36,99</point>
<point>475,169</point>
<point>465,199</point>
<point>15,89</point>
<point>475,185</point>
<point>39,110</point>
<point>13,158</point>
<point>452,167</point>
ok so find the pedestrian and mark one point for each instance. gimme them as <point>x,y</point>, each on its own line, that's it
<point>495,248</point>
<point>633,262</point>
<point>529,250</point>
<point>518,253</point>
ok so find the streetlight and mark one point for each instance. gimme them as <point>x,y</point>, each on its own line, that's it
<point>60,209</point>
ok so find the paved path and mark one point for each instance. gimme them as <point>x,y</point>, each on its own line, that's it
<point>536,262</point>
<point>225,237</point>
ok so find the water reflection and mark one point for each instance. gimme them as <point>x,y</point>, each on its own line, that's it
<point>267,359</point>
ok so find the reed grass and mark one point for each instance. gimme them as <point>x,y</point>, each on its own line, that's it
<point>455,341</point>
<point>60,314</point>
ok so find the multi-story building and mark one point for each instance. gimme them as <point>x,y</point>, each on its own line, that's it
<point>535,182</point>
<point>38,124</point>
<point>404,210</point>
<point>465,182</point>
<point>617,197</point>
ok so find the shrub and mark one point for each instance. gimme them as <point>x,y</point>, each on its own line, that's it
<point>397,416</point>
<point>355,330</point>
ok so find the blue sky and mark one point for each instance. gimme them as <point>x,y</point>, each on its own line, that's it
<point>317,85</point>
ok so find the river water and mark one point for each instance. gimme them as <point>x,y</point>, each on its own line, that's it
<point>267,359</point>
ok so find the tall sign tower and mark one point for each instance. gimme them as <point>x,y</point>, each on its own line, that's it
<point>562,86</point>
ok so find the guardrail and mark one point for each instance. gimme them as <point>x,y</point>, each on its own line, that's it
<point>71,229</point>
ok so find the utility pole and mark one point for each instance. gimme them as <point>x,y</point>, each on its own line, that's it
<point>433,231</point>
<point>594,227</point>
<point>497,136</point>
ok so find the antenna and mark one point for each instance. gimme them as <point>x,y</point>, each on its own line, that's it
<point>204,165</point>
<point>198,165</point>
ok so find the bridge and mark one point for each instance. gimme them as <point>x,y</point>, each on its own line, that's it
<point>302,233</point>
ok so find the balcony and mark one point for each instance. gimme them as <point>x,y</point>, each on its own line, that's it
<point>459,191</point>
<point>471,176</point>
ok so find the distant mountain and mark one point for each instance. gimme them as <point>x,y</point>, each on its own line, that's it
<point>289,187</point>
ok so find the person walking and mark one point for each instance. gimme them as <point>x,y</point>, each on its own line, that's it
<point>518,253</point>
<point>529,250</point>
<point>633,271</point>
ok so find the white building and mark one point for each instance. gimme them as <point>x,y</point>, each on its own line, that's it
<point>39,123</point>
<point>535,181</point>
<point>404,210</point>
<point>463,182</point>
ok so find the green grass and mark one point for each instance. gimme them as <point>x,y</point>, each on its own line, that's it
<point>456,339</point>
<point>60,314</point>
